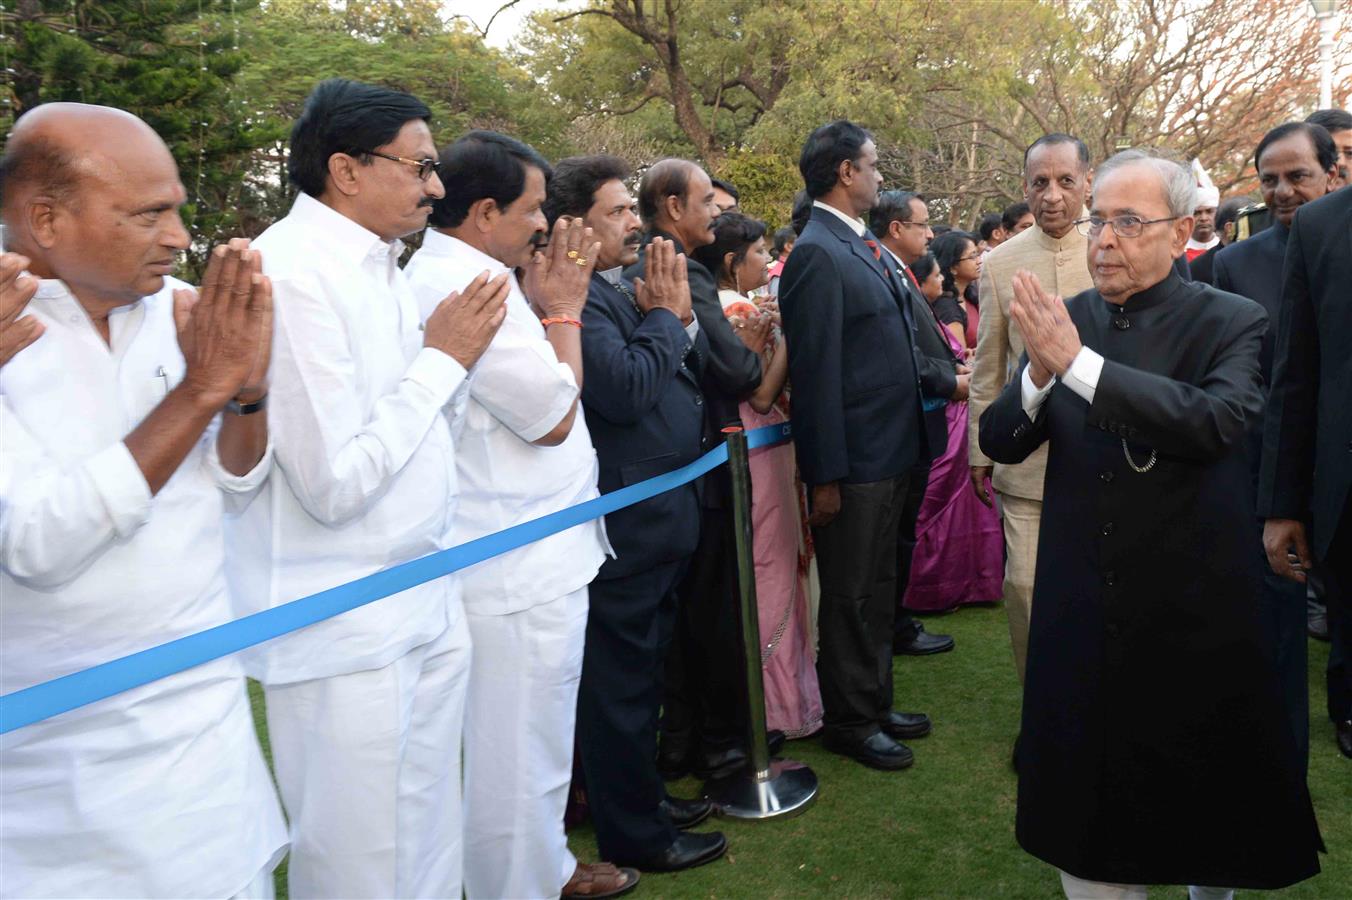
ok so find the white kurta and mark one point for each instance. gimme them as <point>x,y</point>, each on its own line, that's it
<point>527,609</point>
<point>365,709</point>
<point>160,791</point>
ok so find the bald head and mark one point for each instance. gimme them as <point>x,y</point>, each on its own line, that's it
<point>56,147</point>
<point>91,195</point>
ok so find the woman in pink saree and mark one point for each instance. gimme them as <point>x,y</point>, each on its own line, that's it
<point>959,544</point>
<point>739,263</point>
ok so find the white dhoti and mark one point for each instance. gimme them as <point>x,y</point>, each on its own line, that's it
<point>368,765</point>
<point>1080,889</point>
<point>519,722</point>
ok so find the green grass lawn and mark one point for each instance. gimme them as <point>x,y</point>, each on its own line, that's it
<point>945,827</point>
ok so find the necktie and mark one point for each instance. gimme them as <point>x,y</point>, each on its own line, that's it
<point>873,245</point>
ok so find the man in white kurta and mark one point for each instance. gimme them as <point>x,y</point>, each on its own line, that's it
<point>522,451</point>
<point>115,473</point>
<point>365,709</point>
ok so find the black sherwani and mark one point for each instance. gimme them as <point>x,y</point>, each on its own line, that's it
<point>1154,749</point>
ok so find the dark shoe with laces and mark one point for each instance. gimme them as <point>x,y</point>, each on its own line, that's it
<point>690,849</point>
<point>922,643</point>
<point>686,813</point>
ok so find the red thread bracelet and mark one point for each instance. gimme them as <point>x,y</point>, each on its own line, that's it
<point>574,322</point>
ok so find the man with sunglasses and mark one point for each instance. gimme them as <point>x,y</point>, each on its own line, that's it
<point>365,709</point>
<point>1155,749</point>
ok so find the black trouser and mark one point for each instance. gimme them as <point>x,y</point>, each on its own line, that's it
<point>628,630</point>
<point>906,627</point>
<point>1281,610</point>
<point>857,565</point>
<point>704,693</point>
<point>1337,571</point>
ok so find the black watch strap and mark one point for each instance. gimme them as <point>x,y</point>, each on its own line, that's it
<point>247,409</point>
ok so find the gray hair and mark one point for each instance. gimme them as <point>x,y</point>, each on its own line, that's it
<point>1180,186</point>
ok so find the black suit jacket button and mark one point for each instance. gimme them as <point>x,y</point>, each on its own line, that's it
<point>1106,477</point>
<point>1107,528</point>
<point>1121,323</point>
<point>699,401</point>
<point>1110,578</point>
<point>1113,630</point>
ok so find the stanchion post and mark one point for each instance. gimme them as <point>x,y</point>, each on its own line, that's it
<point>767,788</point>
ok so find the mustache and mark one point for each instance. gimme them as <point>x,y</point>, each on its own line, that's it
<point>429,202</point>
<point>539,240</point>
<point>633,238</point>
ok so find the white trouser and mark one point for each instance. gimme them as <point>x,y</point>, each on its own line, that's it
<point>261,887</point>
<point>1079,889</point>
<point>519,721</point>
<point>368,766</point>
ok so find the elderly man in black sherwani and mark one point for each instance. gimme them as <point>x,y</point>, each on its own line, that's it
<point>1154,748</point>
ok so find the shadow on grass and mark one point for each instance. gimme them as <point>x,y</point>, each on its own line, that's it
<point>945,827</point>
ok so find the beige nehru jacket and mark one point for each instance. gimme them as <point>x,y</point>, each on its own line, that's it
<point>1062,267</point>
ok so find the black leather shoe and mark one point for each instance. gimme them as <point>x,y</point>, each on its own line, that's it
<point>686,813</point>
<point>731,760</point>
<point>922,643</point>
<point>877,751</point>
<point>687,851</point>
<point>904,726</point>
<point>1343,731</point>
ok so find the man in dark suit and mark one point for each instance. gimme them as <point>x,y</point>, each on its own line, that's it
<point>641,352</point>
<point>1295,163</point>
<point>901,223</point>
<point>1307,440</point>
<point>703,709</point>
<point>858,431</point>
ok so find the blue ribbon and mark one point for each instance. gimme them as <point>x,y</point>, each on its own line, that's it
<point>51,698</point>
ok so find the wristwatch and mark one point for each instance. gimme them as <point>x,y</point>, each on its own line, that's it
<point>247,409</point>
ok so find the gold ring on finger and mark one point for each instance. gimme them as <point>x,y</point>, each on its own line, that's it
<point>582,260</point>
<point>573,254</point>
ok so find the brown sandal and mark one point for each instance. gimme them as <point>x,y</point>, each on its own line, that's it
<point>598,880</point>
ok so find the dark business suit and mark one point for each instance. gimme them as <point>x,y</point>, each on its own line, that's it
<point>703,703</point>
<point>938,380</point>
<point>645,413</point>
<point>1253,269</point>
<point>858,423</point>
<point>1307,441</point>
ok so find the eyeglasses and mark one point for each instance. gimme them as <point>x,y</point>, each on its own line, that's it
<point>914,224</point>
<point>425,166</point>
<point>1123,226</point>
<point>973,256</point>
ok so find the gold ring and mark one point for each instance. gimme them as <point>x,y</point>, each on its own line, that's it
<point>582,260</point>
<point>572,254</point>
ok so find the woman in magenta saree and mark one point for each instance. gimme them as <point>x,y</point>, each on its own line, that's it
<point>959,544</point>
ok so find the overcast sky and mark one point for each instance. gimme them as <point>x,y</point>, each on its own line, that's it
<point>507,25</point>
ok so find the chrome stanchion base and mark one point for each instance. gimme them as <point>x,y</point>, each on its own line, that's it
<point>786,790</point>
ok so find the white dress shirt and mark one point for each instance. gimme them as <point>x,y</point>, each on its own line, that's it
<point>518,392</point>
<point>856,225</point>
<point>1082,378</point>
<point>161,790</point>
<point>366,456</point>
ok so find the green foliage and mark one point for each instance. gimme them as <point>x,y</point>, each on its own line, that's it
<point>766,183</point>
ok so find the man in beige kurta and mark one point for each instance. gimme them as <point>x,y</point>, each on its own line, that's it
<point>1056,183</point>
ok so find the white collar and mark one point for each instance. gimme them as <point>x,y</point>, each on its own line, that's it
<point>346,236</point>
<point>613,275</point>
<point>437,243</point>
<point>856,225</point>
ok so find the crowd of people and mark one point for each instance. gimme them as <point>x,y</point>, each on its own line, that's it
<point>1086,407</point>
